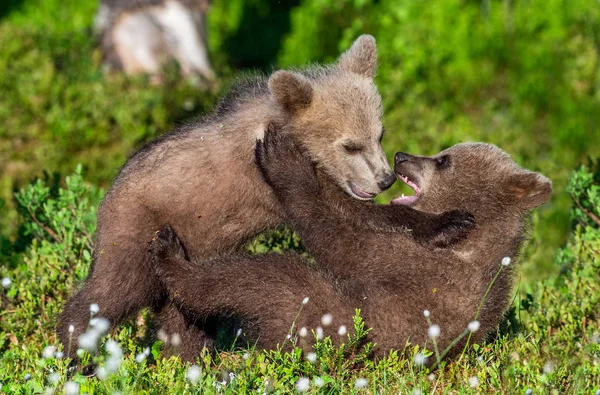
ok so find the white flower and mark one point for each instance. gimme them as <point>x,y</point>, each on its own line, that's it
<point>27,377</point>
<point>94,308</point>
<point>80,352</point>
<point>100,324</point>
<point>319,382</point>
<point>113,348</point>
<point>360,383</point>
<point>141,356</point>
<point>6,282</point>
<point>305,300</point>
<point>506,261</point>
<point>420,359</point>
<point>598,392</point>
<point>312,357</point>
<point>326,319</point>
<point>59,354</point>
<point>238,333</point>
<point>319,332</point>
<point>342,330</point>
<point>71,329</point>
<point>48,352</point>
<point>176,339</point>
<point>54,378</point>
<point>416,391</point>
<point>426,313</point>
<point>102,373</point>
<point>548,367</point>
<point>433,331</point>
<point>162,335</point>
<point>529,391</point>
<point>431,377</point>
<point>89,340</point>
<point>49,391</point>
<point>303,332</point>
<point>473,326</point>
<point>473,382</point>
<point>246,356</point>
<point>71,388</point>
<point>192,374</point>
<point>303,384</point>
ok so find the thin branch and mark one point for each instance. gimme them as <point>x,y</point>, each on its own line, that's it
<point>585,211</point>
<point>44,227</point>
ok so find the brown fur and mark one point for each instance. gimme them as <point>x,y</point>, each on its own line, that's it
<point>203,180</point>
<point>386,274</point>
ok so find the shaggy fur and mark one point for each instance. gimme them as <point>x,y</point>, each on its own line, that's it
<point>386,274</point>
<point>141,36</point>
<point>202,179</point>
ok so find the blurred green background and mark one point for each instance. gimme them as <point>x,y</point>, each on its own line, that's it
<point>524,75</point>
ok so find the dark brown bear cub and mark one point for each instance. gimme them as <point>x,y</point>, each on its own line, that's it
<point>203,180</point>
<point>388,275</point>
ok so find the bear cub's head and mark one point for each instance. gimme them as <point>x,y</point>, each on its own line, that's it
<point>335,112</point>
<point>475,177</point>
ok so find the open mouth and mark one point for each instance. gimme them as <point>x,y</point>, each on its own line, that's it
<point>408,200</point>
<point>359,193</point>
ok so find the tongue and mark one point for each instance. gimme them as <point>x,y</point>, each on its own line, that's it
<point>404,200</point>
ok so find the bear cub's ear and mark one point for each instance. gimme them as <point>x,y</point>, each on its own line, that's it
<point>529,189</point>
<point>293,91</point>
<point>361,58</point>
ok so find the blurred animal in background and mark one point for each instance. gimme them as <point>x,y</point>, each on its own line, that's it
<point>142,36</point>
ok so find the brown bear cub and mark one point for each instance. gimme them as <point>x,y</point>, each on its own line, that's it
<point>203,180</point>
<point>388,275</point>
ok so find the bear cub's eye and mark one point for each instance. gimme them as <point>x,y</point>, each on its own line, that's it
<point>352,148</point>
<point>443,162</point>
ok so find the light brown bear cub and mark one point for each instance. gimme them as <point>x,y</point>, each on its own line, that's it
<point>203,180</point>
<point>388,275</point>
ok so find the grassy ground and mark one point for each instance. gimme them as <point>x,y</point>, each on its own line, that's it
<point>523,75</point>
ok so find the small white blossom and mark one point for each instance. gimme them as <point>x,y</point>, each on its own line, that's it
<point>100,324</point>
<point>48,352</point>
<point>6,282</point>
<point>102,373</point>
<point>49,391</point>
<point>416,391</point>
<point>193,373</point>
<point>27,377</point>
<point>318,381</point>
<point>71,388</point>
<point>312,357</point>
<point>89,340</point>
<point>598,392</point>
<point>420,359</point>
<point>303,332</point>
<point>342,330</point>
<point>238,333</point>
<point>303,384</point>
<point>113,348</point>
<point>320,334</point>
<point>162,335</point>
<point>326,319</point>
<point>142,356</point>
<point>433,331</point>
<point>59,355</point>
<point>80,352</point>
<point>473,382</point>
<point>506,261</point>
<point>426,313</point>
<point>176,339</point>
<point>54,378</point>
<point>360,383</point>
<point>305,300</point>
<point>473,326</point>
<point>548,367</point>
<point>94,308</point>
<point>246,356</point>
<point>71,329</point>
<point>529,391</point>
<point>431,377</point>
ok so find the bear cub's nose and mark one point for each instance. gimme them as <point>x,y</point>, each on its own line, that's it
<point>387,182</point>
<point>401,157</point>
